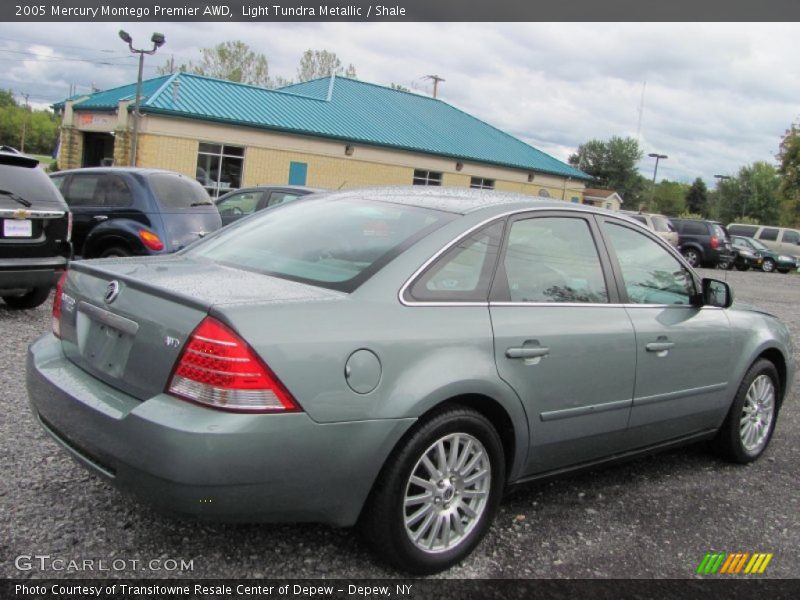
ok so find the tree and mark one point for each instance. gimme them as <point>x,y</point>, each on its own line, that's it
<point>669,198</point>
<point>232,60</point>
<point>321,63</point>
<point>697,197</point>
<point>400,88</point>
<point>753,192</point>
<point>40,126</point>
<point>789,171</point>
<point>613,165</point>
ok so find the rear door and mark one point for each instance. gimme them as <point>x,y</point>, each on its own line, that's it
<point>562,340</point>
<point>683,352</point>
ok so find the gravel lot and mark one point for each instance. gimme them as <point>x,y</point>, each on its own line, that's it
<point>654,517</point>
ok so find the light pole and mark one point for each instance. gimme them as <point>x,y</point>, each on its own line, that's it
<point>720,179</point>
<point>655,172</point>
<point>158,40</point>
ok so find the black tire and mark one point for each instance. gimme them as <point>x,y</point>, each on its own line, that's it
<point>32,299</point>
<point>768,266</point>
<point>114,251</point>
<point>742,267</point>
<point>729,442</point>
<point>692,256</point>
<point>383,521</point>
<point>784,271</point>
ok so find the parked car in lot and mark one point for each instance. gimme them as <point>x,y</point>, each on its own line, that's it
<point>762,257</point>
<point>35,226</point>
<point>703,243</point>
<point>130,211</point>
<point>397,359</point>
<point>242,202</point>
<point>655,222</point>
<point>780,240</point>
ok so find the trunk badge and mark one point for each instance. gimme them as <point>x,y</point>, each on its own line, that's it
<point>21,213</point>
<point>112,291</point>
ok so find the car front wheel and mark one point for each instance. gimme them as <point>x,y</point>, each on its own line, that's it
<point>692,256</point>
<point>437,494</point>
<point>748,427</point>
<point>768,266</point>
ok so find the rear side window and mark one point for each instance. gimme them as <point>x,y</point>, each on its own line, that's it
<point>693,228</point>
<point>464,272</point>
<point>745,230</point>
<point>83,190</point>
<point>29,183</point>
<point>176,192</point>
<point>790,237</point>
<point>333,244</point>
<point>768,233</point>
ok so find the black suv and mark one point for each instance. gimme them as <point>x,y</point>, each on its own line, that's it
<point>35,226</point>
<point>703,243</point>
<point>131,211</point>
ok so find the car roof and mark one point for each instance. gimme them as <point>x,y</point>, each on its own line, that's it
<point>136,170</point>
<point>16,159</point>
<point>454,200</point>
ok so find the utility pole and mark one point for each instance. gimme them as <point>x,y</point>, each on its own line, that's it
<point>24,123</point>
<point>436,79</point>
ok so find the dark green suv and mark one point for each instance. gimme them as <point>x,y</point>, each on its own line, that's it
<point>35,229</point>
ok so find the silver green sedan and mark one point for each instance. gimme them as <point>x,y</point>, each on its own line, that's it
<point>397,359</point>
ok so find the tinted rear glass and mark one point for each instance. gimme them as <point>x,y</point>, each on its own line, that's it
<point>662,224</point>
<point>718,231</point>
<point>692,228</point>
<point>30,183</point>
<point>768,234</point>
<point>176,192</point>
<point>334,244</point>
<point>745,230</point>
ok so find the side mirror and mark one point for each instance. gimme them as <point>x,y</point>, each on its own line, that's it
<point>717,293</point>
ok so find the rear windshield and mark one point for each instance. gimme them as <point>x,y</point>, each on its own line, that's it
<point>719,231</point>
<point>29,183</point>
<point>174,191</point>
<point>662,224</point>
<point>336,244</point>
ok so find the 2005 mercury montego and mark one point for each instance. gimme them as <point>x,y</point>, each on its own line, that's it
<point>396,359</point>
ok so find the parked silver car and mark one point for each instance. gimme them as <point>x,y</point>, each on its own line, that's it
<point>397,359</point>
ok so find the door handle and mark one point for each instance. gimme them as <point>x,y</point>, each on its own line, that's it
<point>526,352</point>
<point>659,346</point>
<point>99,218</point>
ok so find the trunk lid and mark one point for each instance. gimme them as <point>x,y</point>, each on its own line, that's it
<point>130,333</point>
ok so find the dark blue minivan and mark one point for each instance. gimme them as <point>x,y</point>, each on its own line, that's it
<point>133,211</point>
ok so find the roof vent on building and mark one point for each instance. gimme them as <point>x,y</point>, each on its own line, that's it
<point>330,87</point>
<point>176,88</point>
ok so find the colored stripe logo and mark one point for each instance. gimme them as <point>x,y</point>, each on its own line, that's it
<point>736,563</point>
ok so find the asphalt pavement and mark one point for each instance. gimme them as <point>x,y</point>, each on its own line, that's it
<point>653,517</point>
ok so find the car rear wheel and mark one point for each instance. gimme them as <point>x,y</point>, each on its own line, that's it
<point>742,267</point>
<point>32,299</point>
<point>692,256</point>
<point>784,271</point>
<point>114,251</point>
<point>748,427</point>
<point>437,494</point>
<point>768,265</point>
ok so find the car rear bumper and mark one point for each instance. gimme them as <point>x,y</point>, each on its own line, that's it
<point>28,273</point>
<point>205,463</point>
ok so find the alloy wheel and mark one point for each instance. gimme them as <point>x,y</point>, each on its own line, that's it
<point>757,414</point>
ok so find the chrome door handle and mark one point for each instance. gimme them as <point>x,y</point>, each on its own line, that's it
<point>99,218</point>
<point>526,352</point>
<point>659,346</point>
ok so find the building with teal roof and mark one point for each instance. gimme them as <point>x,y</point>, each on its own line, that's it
<point>331,132</point>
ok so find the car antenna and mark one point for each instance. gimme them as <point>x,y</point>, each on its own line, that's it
<point>341,186</point>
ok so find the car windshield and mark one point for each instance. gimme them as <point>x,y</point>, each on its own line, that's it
<point>756,244</point>
<point>336,244</point>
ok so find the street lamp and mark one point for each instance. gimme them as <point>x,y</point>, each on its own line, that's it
<point>158,40</point>
<point>655,171</point>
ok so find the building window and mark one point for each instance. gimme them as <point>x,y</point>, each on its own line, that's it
<point>422,177</point>
<point>479,183</point>
<point>219,167</point>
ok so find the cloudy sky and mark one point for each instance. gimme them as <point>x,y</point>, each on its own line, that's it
<point>716,96</point>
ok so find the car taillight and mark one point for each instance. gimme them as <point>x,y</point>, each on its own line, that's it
<point>151,240</point>
<point>714,242</point>
<point>69,226</point>
<point>217,368</point>
<point>57,305</point>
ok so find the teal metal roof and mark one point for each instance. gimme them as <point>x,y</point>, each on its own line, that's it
<point>344,109</point>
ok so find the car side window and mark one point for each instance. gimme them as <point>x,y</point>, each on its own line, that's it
<point>239,204</point>
<point>651,274</point>
<point>464,272</point>
<point>83,190</point>
<point>276,198</point>
<point>117,194</point>
<point>790,237</point>
<point>768,233</point>
<point>58,181</point>
<point>553,259</point>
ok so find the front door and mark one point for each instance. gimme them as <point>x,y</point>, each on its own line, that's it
<point>683,351</point>
<point>562,341</point>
